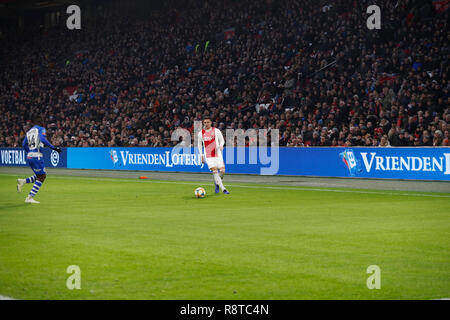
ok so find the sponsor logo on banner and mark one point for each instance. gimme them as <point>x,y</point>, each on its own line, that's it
<point>114,158</point>
<point>412,163</point>
<point>167,159</point>
<point>384,163</point>
<point>13,157</point>
<point>54,158</point>
<point>353,165</point>
<point>18,157</point>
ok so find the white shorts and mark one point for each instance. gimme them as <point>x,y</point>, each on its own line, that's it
<point>216,162</point>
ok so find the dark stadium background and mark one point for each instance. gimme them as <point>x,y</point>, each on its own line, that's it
<point>140,69</point>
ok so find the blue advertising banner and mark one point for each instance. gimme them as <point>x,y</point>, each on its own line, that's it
<point>384,163</point>
<point>18,157</point>
<point>141,158</point>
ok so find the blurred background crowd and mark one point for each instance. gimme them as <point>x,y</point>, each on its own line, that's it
<point>310,68</point>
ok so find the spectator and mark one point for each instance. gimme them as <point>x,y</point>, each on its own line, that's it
<point>288,66</point>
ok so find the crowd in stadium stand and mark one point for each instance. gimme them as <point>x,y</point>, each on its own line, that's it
<point>310,68</point>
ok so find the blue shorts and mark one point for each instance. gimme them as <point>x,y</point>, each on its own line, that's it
<point>37,165</point>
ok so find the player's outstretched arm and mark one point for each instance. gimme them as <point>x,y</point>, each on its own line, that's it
<point>45,141</point>
<point>200,146</point>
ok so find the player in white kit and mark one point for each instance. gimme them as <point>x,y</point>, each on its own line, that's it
<point>210,146</point>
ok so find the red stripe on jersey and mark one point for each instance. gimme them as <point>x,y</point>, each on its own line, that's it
<point>209,138</point>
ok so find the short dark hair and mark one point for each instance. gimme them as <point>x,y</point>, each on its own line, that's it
<point>207,118</point>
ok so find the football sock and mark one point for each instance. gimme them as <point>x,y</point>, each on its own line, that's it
<point>218,180</point>
<point>35,189</point>
<point>30,179</point>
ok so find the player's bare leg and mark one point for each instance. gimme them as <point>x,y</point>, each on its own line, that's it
<point>221,175</point>
<point>37,185</point>
<point>217,180</point>
<point>41,177</point>
<point>216,185</point>
<point>221,172</point>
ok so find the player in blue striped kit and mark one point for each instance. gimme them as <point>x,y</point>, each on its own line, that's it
<point>35,140</point>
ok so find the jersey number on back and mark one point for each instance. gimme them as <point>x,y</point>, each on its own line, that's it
<point>33,140</point>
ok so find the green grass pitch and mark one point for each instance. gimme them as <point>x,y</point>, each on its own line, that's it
<point>147,239</point>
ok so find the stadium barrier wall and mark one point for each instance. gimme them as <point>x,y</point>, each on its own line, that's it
<point>17,157</point>
<point>389,163</point>
<point>415,163</point>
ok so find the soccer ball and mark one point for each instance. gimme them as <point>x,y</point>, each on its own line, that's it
<point>200,192</point>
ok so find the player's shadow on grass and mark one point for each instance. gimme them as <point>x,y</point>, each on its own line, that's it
<point>194,198</point>
<point>17,205</point>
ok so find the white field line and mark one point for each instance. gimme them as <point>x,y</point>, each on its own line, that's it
<point>6,298</point>
<point>432,195</point>
<point>267,187</point>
